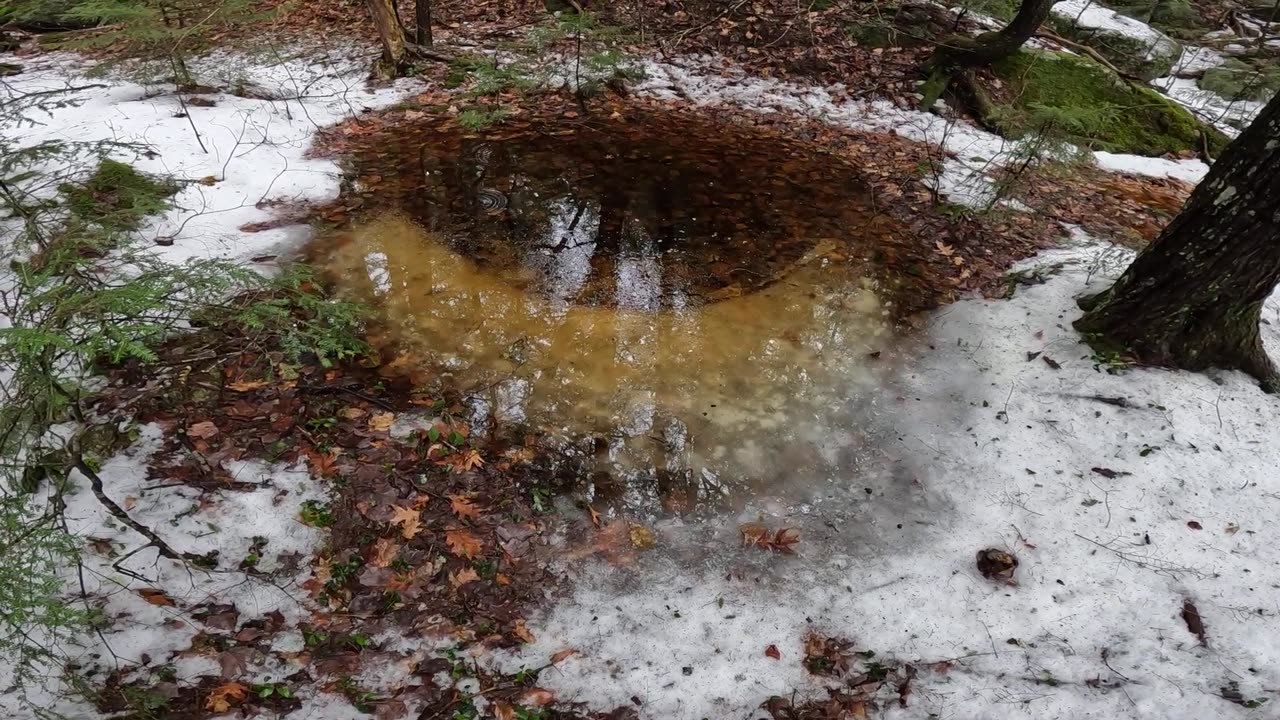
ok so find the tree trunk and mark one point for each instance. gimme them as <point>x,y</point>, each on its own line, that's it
<point>1193,298</point>
<point>987,48</point>
<point>391,32</point>
<point>422,14</point>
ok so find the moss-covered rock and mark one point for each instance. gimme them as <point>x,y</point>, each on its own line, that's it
<point>1092,107</point>
<point>1176,18</point>
<point>1237,79</point>
<point>1147,57</point>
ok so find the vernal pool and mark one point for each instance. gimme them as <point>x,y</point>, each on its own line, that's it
<point>694,312</point>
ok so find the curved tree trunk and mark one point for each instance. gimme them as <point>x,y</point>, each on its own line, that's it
<point>987,48</point>
<point>1193,298</point>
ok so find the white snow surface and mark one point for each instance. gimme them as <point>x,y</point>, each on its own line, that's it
<point>1228,115</point>
<point>138,630</point>
<point>253,149</point>
<point>1089,14</point>
<point>993,450</point>
<point>1192,171</point>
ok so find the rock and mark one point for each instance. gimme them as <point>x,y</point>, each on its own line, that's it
<point>1131,45</point>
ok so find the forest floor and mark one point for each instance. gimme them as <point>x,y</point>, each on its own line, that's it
<point>375,545</point>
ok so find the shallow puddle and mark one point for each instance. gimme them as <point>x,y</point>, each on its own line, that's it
<point>695,311</point>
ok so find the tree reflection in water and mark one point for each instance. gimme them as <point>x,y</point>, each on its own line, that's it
<point>700,318</point>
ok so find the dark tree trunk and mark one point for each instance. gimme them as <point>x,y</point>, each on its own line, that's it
<point>1193,298</point>
<point>987,48</point>
<point>422,15</point>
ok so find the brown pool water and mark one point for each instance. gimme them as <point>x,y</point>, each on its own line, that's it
<point>703,311</point>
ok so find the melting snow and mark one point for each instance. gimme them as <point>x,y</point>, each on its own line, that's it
<point>1004,451</point>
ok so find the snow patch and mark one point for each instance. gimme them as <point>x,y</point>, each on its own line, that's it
<point>1009,452</point>
<point>233,158</point>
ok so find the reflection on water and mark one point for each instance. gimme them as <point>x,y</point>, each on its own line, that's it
<point>702,323</point>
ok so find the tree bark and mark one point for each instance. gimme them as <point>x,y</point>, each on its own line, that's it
<point>391,32</point>
<point>1193,298</point>
<point>422,15</point>
<point>987,48</point>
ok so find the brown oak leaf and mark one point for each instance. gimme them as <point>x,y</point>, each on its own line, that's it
<point>463,543</point>
<point>408,519</point>
<point>464,508</point>
<point>224,696</point>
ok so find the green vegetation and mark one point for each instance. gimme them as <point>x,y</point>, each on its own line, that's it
<point>475,119</point>
<point>999,9</point>
<point>116,196</point>
<point>1236,79</point>
<point>86,293</point>
<point>489,77</point>
<point>1093,108</point>
<point>1177,18</point>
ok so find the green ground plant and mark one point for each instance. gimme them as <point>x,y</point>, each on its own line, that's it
<point>1094,108</point>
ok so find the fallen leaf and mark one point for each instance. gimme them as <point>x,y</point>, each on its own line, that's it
<point>1051,362</point>
<point>381,422</point>
<point>1232,529</point>
<point>503,711</point>
<point>468,461</point>
<point>208,180</point>
<point>595,516</point>
<point>536,697</point>
<point>247,385</point>
<point>385,551</point>
<point>522,632</point>
<point>1195,625</point>
<point>156,597</point>
<point>462,577</point>
<point>772,651</point>
<point>502,580</point>
<point>353,413</point>
<point>203,430</point>
<point>463,543</point>
<point>224,696</point>
<point>408,519</point>
<point>1194,525</point>
<point>561,655</point>
<point>464,508</point>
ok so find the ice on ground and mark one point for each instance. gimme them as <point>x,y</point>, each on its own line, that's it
<point>1119,516</point>
<point>234,158</point>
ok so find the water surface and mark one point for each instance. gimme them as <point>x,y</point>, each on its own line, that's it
<point>695,311</point>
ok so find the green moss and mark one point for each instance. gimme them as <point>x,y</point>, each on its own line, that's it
<point>1177,18</point>
<point>116,196</point>
<point>874,34</point>
<point>1093,107</point>
<point>1131,55</point>
<point>999,9</point>
<point>1239,80</point>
